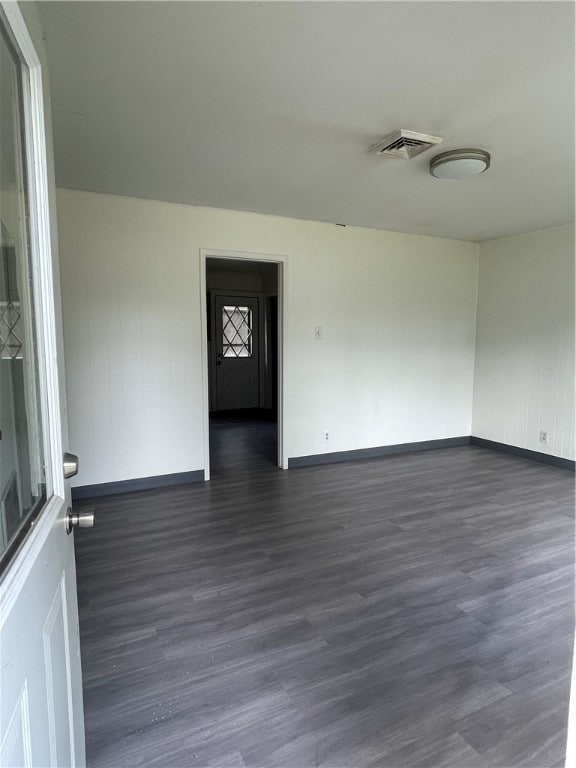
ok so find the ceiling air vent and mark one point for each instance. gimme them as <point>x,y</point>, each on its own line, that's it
<point>405,144</point>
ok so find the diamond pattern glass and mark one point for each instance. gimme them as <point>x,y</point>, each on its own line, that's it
<point>236,331</point>
<point>10,331</point>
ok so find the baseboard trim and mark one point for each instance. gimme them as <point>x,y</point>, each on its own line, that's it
<point>138,484</point>
<point>524,453</point>
<point>197,476</point>
<point>377,452</point>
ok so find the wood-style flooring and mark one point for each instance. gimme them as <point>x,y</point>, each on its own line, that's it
<point>402,612</point>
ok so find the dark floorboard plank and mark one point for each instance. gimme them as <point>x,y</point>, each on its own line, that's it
<point>412,611</point>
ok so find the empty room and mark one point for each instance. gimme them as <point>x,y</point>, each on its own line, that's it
<point>287,336</point>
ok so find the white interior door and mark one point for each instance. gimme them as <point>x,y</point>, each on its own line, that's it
<point>41,715</point>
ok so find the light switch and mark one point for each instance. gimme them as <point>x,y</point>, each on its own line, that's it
<point>318,333</point>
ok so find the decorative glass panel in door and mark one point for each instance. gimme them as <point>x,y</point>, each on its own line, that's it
<point>236,331</point>
<point>22,482</point>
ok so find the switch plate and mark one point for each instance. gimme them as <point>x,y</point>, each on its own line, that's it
<point>318,332</point>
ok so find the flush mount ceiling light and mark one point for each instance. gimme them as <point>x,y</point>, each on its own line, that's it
<point>459,163</point>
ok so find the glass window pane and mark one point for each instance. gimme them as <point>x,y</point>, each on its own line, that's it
<point>236,331</point>
<point>22,482</point>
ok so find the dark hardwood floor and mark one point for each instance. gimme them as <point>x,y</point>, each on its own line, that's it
<point>404,612</point>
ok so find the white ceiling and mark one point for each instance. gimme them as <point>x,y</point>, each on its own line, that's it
<point>270,107</point>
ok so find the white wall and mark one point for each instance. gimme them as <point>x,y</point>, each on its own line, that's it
<point>395,365</point>
<point>524,377</point>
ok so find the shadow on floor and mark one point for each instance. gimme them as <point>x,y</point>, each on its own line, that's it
<point>245,439</point>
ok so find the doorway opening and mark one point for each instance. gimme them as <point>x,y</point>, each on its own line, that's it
<point>243,341</point>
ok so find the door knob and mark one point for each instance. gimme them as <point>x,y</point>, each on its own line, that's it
<point>83,519</point>
<point>70,464</point>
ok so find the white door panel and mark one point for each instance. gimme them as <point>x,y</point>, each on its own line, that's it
<point>41,713</point>
<point>41,657</point>
<point>16,749</point>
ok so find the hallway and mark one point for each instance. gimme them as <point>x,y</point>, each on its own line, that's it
<point>412,611</point>
<point>243,441</point>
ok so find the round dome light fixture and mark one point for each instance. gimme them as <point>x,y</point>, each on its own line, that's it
<point>459,163</point>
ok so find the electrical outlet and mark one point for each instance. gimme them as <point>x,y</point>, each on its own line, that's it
<point>543,436</point>
<point>326,435</point>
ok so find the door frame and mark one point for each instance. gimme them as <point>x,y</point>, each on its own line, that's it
<point>281,262</point>
<point>40,243</point>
